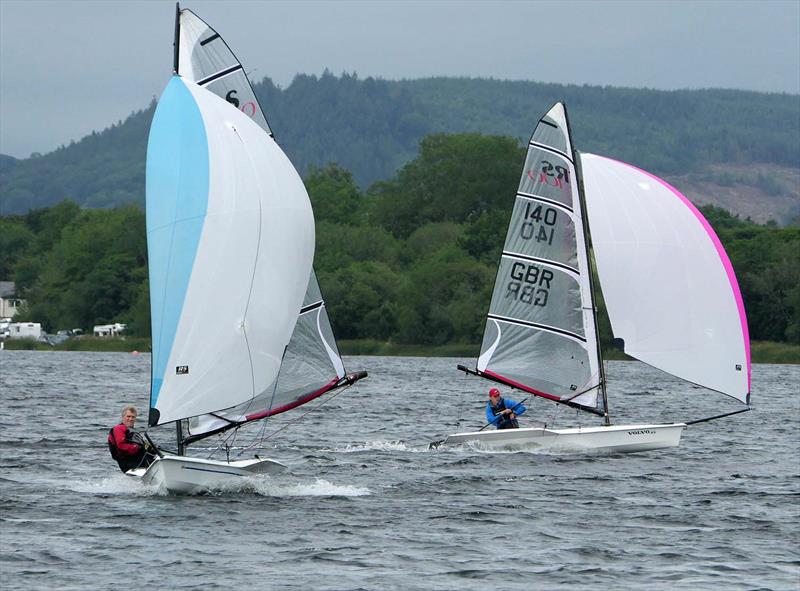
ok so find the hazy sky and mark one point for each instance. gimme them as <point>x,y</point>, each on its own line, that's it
<point>70,67</point>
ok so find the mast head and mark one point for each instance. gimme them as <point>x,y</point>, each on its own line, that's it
<point>175,43</point>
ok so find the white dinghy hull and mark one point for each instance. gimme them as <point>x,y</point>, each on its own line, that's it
<point>186,476</point>
<point>612,439</point>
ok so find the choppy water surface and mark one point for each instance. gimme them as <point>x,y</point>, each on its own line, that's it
<point>362,508</point>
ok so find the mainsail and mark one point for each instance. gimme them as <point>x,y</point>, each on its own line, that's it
<point>670,289</point>
<point>309,363</point>
<point>203,57</point>
<point>540,331</point>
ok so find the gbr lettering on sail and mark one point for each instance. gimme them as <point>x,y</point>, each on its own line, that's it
<point>529,283</point>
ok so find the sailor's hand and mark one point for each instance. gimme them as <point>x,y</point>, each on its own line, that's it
<point>512,415</point>
<point>148,447</point>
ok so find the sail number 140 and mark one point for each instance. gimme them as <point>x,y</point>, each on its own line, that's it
<point>539,223</point>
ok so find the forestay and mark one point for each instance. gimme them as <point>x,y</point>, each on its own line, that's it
<point>222,200</point>
<point>670,289</point>
<point>540,331</point>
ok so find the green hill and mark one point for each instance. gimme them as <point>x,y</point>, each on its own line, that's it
<point>373,127</point>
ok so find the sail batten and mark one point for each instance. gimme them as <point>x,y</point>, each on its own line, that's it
<point>544,327</point>
<point>539,198</point>
<point>523,257</point>
<point>220,74</point>
<point>550,149</point>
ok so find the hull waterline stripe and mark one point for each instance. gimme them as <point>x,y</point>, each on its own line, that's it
<point>220,74</point>
<point>207,470</point>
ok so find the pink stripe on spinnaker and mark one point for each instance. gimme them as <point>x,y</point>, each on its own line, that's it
<point>726,262</point>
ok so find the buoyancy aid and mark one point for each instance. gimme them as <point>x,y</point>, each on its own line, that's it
<point>126,460</point>
<point>504,422</point>
<point>112,444</point>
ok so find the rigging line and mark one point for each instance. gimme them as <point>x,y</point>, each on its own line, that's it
<point>555,414</point>
<point>581,393</point>
<point>727,414</point>
<point>255,265</point>
<point>342,389</point>
<point>223,440</point>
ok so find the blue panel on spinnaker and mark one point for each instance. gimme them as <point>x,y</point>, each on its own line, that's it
<point>177,200</point>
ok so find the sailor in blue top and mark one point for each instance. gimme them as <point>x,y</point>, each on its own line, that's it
<point>503,412</point>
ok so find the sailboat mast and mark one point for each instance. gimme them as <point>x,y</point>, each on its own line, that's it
<point>176,42</point>
<point>179,436</point>
<point>592,289</point>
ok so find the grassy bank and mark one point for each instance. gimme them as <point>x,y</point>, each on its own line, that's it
<point>83,343</point>
<point>769,352</point>
<point>761,351</point>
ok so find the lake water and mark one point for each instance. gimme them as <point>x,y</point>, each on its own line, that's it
<point>363,508</point>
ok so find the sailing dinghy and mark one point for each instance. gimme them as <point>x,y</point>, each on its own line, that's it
<point>670,290</point>
<point>239,326</point>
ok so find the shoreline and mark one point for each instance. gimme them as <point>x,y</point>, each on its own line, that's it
<point>761,351</point>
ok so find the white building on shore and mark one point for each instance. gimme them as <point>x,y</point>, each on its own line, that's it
<point>24,330</point>
<point>109,330</point>
<point>8,299</point>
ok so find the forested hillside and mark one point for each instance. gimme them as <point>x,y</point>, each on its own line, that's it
<point>373,127</point>
<point>412,260</point>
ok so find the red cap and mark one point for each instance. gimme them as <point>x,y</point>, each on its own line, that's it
<point>494,392</point>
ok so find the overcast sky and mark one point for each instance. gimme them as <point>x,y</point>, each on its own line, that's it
<point>67,68</point>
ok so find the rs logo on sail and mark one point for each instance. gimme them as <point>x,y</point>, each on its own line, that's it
<point>551,174</point>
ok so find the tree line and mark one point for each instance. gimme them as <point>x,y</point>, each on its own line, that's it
<point>410,260</point>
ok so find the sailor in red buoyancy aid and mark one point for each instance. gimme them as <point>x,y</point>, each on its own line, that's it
<point>126,445</point>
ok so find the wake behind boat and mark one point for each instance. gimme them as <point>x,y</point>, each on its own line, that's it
<point>239,326</point>
<point>669,288</point>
